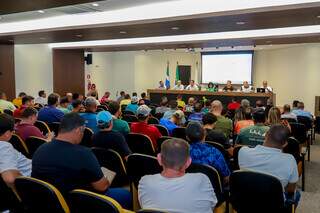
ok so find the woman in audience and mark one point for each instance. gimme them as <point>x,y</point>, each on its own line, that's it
<point>105,99</point>
<point>245,122</point>
<point>274,117</point>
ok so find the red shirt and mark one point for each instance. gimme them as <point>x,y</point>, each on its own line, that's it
<point>17,112</point>
<point>146,129</point>
<point>233,106</point>
<point>26,130</point>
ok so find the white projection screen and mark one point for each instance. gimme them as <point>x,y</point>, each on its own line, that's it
<point>219,67</point>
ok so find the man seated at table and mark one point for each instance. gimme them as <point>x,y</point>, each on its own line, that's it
<point>301,112</point>
<point>174,190</point>
<point>266,87</point>
<point>178,86</point>
<point>246,87</point>
<point>228,87</point>
<point>161,85</point>
<point>192,86</point>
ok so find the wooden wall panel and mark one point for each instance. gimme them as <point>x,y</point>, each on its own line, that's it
<point>68,71</point>
<point>7,75</point>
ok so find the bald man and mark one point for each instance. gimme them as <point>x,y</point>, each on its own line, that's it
<point>266,87</point>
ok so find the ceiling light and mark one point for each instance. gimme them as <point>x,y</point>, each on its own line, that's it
<point>123,32</point>
<point>175,28</point>
<point>240,22</point>
<point>40,11</point>
<point>95,4</point>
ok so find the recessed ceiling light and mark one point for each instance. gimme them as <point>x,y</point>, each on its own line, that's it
<point>240,22</point>
<point>95,4</point>
<point>123,32</point>
<point>79,36</point>
<point>40,11</point>
<point>175,28</point>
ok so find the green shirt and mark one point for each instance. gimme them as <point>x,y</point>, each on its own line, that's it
<point>64,110</point>
<point>6,105</point>
<point>213,89</point>
<point>224,124</point>
<point>121,126</point>
<point>252,135</point>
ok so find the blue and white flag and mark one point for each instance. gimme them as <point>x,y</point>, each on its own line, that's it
<point>167,77</point>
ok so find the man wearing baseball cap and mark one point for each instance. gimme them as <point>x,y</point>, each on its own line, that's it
<point>107,138</point>
<point>133,106</point>
<point>173,122</point>
<point>90,115</point>
<point>142,126</point>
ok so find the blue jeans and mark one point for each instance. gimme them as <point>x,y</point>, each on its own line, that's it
<point>122,196</point>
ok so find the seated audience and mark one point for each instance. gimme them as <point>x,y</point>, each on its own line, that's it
<point>4,104</point>
<point>68,166</point>
<point>209,120</point>
<point>224,124</point>
<point>212,87</point>
<point>69,96</point>
<point>245,103</point>
<point>190,106</point>
<point>181,103</point>
<point>192,86</point>
<point>42,99</point>
<point>203,153</point>
<point>145,99</point>
<point>269,158</point>
<point>254,135</point>
<point>287,113</point>
<point>268,107</point>
<point>174,122</point>
<point>301,112</point>
<point>77,106</point>
<point>295,104</point>
<point>26,127</point>
<point>12,163</point>
<point>64,103</point>
<point>141,102</point>
<point>27,101</point>
<point>109,139</point>
<point>121,97</point>
<point>246,87</point>
<point>174,190</point>
<point>207,107</point>
<point>178,86</point>
<point>245,122</point>
<point>50,113</point>
<point>18,101</point>
<point>90,115</point>
<point>260,105</point>
<point>126,100</point>
<point>161,85</point>
<point>94,94</point>
<point>105,98</point>
<point>119,125</point>
<point>133,106</point>
<point>142,126</point>
<point>274,117</point>
<point>163,105</point>
<point>228,87</point>
<point>233,105</point>
<point>197,114</point>
<point>266,87</point>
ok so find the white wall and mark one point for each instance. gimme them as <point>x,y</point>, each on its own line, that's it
<point>33,68</point>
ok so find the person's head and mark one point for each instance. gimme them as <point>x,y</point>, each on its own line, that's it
<point>42,94</point>
<point>104,121</point>
<point>107,94</point>
<point>143,95</point>
<point>22,94</point>
<point>141,102</point>
<point>90,104</point>
<point>77,105</point>
<point>28,101</point>
<point>286,108</point>
<point>301,105</point>
<point>259,103</point>
<point>269,102</point>
<point>245,103</point>
<point>81,97</point>
<point>179,97</point>
<point>71,128</point>
<point>265,84</point>
<point>177,117</point>
<point>3,96</point>
<point>93,86</point>
<point>53,99</point>
<point>191,101</point>
<point>29,115</point>
<point>64,102</point>
<point>277,136</point>
<point>259,116</point>
<point>127,96</point>
<point>75,96</point>
<point>209,120</point>
<point>134,100</point>
<point>216,107</point>
<point>295,104</point>
<point>195,132</point>
<point>114,108</point>
<point>247,113</point>
<point>210,85</point>
<point>245,84</point>
<point>164,101</point>
<point>179,83</point>
<point>161,83</point>
<point>197,107</point>
<point>94,94</point>
<point>69,97</point>
<point>274,116</point>
<point>134,94</point>
<point>175,155</point>
<point>143,113</point>
<point>192,82</point>
<point>6,127</point>
<point>207,103</point>
<point>173,104</point>
<point>229,83</point>
<point>122,93</point>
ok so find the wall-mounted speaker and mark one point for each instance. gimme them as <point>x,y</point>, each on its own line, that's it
<point>88,59</point>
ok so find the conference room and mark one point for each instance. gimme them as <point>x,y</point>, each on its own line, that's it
<point>159,106</point>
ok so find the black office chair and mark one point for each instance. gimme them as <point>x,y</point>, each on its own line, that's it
<point>179,132</point>
<point>222,150</point>
<point>161,140</point>
<point>43,127</point>
<point>153,120</point>
<point>112,160</point>
<point>8,112</point>
<point>162,129</point>
<point>290,120</point>
<point>252,192</point>
<point>33,143</point>
<point>139,143</point>
<point>309,123</point>
<point>82,201</point>
<point>236,150</point>
<point>129,118</point>
<point>300,132</point>
<point>19,145</point>
<point>8,200</point>
<point>87,137</point>
<point>39,196</point>
<point>54,127</point>
<point>127,112</point>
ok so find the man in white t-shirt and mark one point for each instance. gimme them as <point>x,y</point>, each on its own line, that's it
<point>173,190</point>
<point>269,158</point>
<point>178,86</point>
<point>266,87</point>
<point>12,162</point>
<point>192,86</point>
<point>246,87</point>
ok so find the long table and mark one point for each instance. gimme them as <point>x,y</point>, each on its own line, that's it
<point>225,97</point>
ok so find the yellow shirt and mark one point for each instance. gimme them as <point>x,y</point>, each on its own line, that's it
<point>181,103</point>
<point>125,102</point>
<point>17,102</point>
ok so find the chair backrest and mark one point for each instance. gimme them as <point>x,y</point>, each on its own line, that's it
<point>112,160</point>
<point>33,143</point>
<point>139,143</point>
<point>162,129</point>
<point>179,132</point>
<point>87,137</point>
<point>43,127</point>
<point>82,201</point>
<point>255,192</point>
<point>306,121</point>
<point>19,144</point>
<point>127,112</point>
<point>221,149</point>
<point>8,111</point>
<point>139,165</point>
<point>39,196</point>
<point>8,200</point>
<point>290,120</point>
<point>293,148</point>
<point>153,120</point>
<point>213,176</point>
<point>129,118</point>
<point>54,127</point>
<point>299,132</point>
<point>161,140</point>
<point>236,157</point>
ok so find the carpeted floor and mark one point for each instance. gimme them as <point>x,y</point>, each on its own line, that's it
<point>310,199</point>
